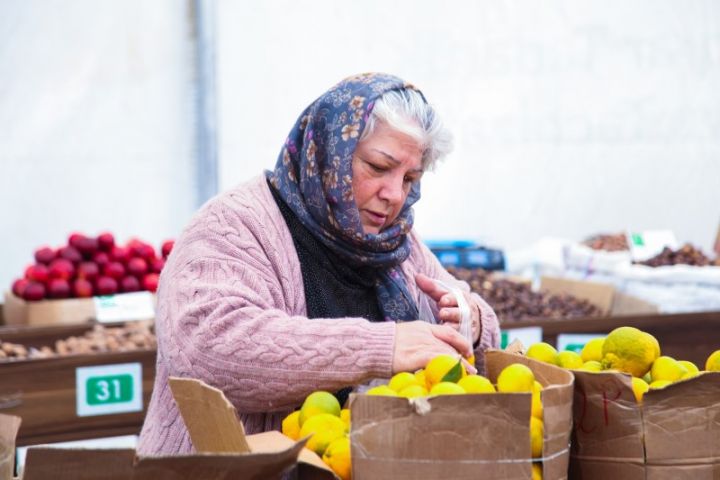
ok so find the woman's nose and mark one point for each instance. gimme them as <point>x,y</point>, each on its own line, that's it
<point>392,190</point>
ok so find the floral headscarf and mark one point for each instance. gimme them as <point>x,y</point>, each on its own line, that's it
<point>313,175</point>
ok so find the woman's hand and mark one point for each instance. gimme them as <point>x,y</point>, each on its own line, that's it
<point>416,343</point>
<point>448,310</point>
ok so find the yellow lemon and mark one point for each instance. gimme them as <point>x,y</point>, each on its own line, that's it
<point>544,352</point>
<point>629,350</point>
<point>639,387</point>
<point>401,380</point>
<point>689,366</point>
<point>324,428</point>
<point>446,388</point>
<point>658,384</point>
<point>382,390</point>
<point>591,366</point>
<point>412,391</point>
<point>537,473</point>
<point>667,368</point>
<point>713,362</point>
<point>317,403</point>
<point>516,377</point>
<point>444,368</point>
<point>536,437</point>
<point>568,359</point>
<point>476,384</point>
<point>337,457</point>
<point>592,350</point>
<point>537,406</point>
<point>291,425</point>
<point>420,376</point>
<point>345,417</point>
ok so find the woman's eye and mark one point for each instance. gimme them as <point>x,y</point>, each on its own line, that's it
<point>377,168</point>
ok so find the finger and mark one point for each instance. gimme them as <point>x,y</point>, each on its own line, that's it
<point>469,368</point>
<point>426,284</point>
<point>450,336</point>
<point>448,300</point>
<point>451,315</point>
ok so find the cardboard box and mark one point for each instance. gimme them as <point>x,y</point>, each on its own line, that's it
<point>224,452</point>
<point>76,310</point>
<point>674,434</point>
<point>606,297</point>
<point>463,436</point>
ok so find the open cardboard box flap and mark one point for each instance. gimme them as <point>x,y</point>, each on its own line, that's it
<point>673,434</point>
<point>602,295</point>
<point>462,436</point>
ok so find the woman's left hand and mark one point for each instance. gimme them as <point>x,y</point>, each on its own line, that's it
<point>448,310</point>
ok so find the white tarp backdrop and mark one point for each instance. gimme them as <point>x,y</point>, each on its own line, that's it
<point>571,117</point>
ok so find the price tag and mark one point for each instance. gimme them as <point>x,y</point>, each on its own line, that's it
<point>108,389</point>
<point>575,341</point>
<point>124,307</point>
<point>645,245</point>
<point>526,335</point>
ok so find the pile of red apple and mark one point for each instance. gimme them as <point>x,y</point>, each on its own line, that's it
<point>89,266</point>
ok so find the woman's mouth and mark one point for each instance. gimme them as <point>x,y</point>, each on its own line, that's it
<point>375,218</point>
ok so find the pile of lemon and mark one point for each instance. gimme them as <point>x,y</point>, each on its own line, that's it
<point>628,350</point>
<point>328,426</point>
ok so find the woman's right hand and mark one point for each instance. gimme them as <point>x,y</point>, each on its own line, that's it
<point>416,343</point>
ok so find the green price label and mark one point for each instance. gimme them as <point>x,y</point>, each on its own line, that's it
<point>109,389</point>
<point>504,339</point>
<point>637,239</point>
<point>575,347</point>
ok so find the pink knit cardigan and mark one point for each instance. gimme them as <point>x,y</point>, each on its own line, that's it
<point>231,312</point>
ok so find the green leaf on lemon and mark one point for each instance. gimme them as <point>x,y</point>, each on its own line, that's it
<point>454,374</point>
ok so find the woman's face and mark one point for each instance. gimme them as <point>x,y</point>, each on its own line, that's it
<point>385,166</point>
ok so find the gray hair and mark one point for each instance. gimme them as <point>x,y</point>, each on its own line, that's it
<point>407,112</point>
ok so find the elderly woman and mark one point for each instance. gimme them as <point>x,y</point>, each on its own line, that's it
<point>311,277</point>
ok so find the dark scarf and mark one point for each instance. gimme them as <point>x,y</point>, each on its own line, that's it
<point>313,177</point>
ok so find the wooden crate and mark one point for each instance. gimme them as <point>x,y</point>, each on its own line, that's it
<point>43,391</point>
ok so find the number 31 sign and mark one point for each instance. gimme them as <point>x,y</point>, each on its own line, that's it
<point>108,389</point>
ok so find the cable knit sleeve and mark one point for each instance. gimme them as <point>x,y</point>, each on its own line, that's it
<point>232,313</point>
<point>422,260</point>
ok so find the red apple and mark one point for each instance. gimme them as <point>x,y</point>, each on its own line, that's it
<point>87,246</point>
<point>114,270</point>
<point>120,254</point>
<point>101,259</point>
<point>61,268</point>
<point>137,266</point>
<point>106,241</point>
<point>74,238</point>
<point>39,273</point>
<point>19,285</point>
<point>33,292</point>
<point>58,288</point>
<point>82,288</point>
<point>157,264</point>
<point>106,286</point>
<point>70,253</point>
<point>150,282</point>
<point>129,284</point>
<point>167,247</point>
<point>138,248</point>
<point>88,270</point>
<point>45,255</point>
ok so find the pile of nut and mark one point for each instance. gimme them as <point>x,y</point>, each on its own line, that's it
<point>131,336</point>
<point>513,301</point>
<point>608,242</point>
<point>687,255</point>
